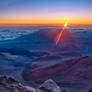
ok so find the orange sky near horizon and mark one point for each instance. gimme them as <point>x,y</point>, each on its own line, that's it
<point>46,21</point>
<point>29,22</point>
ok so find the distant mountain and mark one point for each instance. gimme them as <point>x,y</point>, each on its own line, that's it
<point>78,69</point>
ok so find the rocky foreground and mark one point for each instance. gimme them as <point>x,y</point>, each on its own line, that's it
<point>8,84</point>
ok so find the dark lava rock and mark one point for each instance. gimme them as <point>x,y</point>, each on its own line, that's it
<point>8,84</point>
<point>90,89</point>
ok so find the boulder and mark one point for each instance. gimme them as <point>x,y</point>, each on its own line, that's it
<point>50,86</point>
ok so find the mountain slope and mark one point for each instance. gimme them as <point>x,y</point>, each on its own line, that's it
<point>71,70</point>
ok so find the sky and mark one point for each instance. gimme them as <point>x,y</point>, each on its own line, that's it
<point>45,11</point>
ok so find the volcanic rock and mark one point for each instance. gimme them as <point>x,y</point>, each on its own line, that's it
<point>8,84</point>
<point>90,89</point>
<point>50,86</point>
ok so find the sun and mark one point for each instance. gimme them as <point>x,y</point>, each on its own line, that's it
<point>65,25</point>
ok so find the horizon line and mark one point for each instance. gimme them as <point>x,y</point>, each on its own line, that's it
<point>43,24</point>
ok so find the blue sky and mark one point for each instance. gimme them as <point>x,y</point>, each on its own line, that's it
<point>10,9</point>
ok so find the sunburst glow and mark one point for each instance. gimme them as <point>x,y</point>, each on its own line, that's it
<point>61,33</point>
<point>65,25</point>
